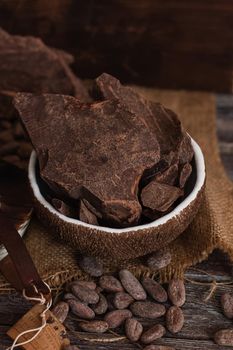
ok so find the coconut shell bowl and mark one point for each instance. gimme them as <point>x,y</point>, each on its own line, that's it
<point>124,243</point>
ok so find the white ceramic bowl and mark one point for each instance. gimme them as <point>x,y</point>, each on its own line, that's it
<point>127,242</point>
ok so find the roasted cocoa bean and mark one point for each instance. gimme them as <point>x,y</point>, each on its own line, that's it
<point>60,311</point>
<point>227,305</point>
<point>224,337</point>
<point>133,329</point>
<point>68,296</point>
<point>122,300</point>
<point>91,265</point>
<point>159,259</point>
<point>96,326</point>
<point>158,347</point>
<point>110,284</point>
<point>89,284</point>
<point>85,294</point>
<point>109,298</point>
<point>81,310</point>
<point>174,319</point>
<point>154,289</point>
<point>153,333</point>
<point>132,285</point>
<point>117,317</point>
<point>176,292</point>
<point>101,307</point>
<point>147,309</point>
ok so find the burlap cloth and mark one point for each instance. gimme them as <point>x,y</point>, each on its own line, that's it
<point>212,227</point>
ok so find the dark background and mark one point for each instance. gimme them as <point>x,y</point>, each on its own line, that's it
<point>164,43</point>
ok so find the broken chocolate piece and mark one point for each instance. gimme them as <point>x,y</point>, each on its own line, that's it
<point>160,197</point>
<point>103,163</point>
<point>185,153</point>
<point>169,176</point>
<point>27,64</point>
<point>184,174</point>
<point>86,215</point>
<point>63,208</point>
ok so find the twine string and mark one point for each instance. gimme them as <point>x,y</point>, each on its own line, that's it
<point>42,301</point>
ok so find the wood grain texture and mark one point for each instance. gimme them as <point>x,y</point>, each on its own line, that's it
<point>173,44</point>
<point>201,319</point>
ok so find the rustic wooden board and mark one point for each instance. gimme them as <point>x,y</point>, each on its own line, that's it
<point>173,44</point>
<point>201,319</point>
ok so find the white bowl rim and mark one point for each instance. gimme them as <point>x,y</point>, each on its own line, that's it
<point>200,169</point>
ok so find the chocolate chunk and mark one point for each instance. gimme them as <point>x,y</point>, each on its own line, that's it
<point>185,153</point>
<point>132,285</point>
<point>168,176</point>
<point>86,215</point>
<point>89,165</point>
<point>27,64</point>
<point>184,174</point>
<point>63,208</point>
<point>159,197</point>
<point>154,289</point>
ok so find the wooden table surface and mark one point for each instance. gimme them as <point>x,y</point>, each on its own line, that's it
<point>202,318</point>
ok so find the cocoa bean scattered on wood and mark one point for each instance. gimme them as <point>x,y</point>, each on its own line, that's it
<point>101,307</point>
<point>176,292</point>
<point>147,309</point>
<point>159,259</point>
<point>110,284</point>
<point>153,333</point>
<point>122,300</point>
<point>85,294</point>
<point>81,310</point>
<point>154,289</point>
<point>88,284</point>
<point>68,296</point>
<point>91,265</point>
<point>174,319</point>
<point>132,285</point>
<point>227,305</point>
<point>133,329</point>
<point>60,311</point>
<point>117,317</point>
<point>224,337</point>
<point>96,326</point>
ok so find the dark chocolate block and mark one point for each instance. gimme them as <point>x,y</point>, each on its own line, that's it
<point>98,151</point>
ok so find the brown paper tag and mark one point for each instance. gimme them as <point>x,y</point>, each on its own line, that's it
<point>52,337</point>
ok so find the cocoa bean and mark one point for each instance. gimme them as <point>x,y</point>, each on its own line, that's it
<point>224,337</point>
<point>174,319</point>
<point>154,289</point>
<point>132,285</point>
<point>109,298</point>
<point>159,259</point>
<point>68,296</point>
<point>153,333</point>
<point>60,311</point>
<point>89,284</point>
<point>91,265</point>
<point>122,300</point>
<point>110,284</point>
<point>85,294</point>
<point>81,310</point>
<point>147,309</point>
<point>96,326</point>
<point>158,347</point>
<point>117,317</point>
<point>227,305</point>
<point>101,307</point>
<point>133,329</point>
<point>176,292</point>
